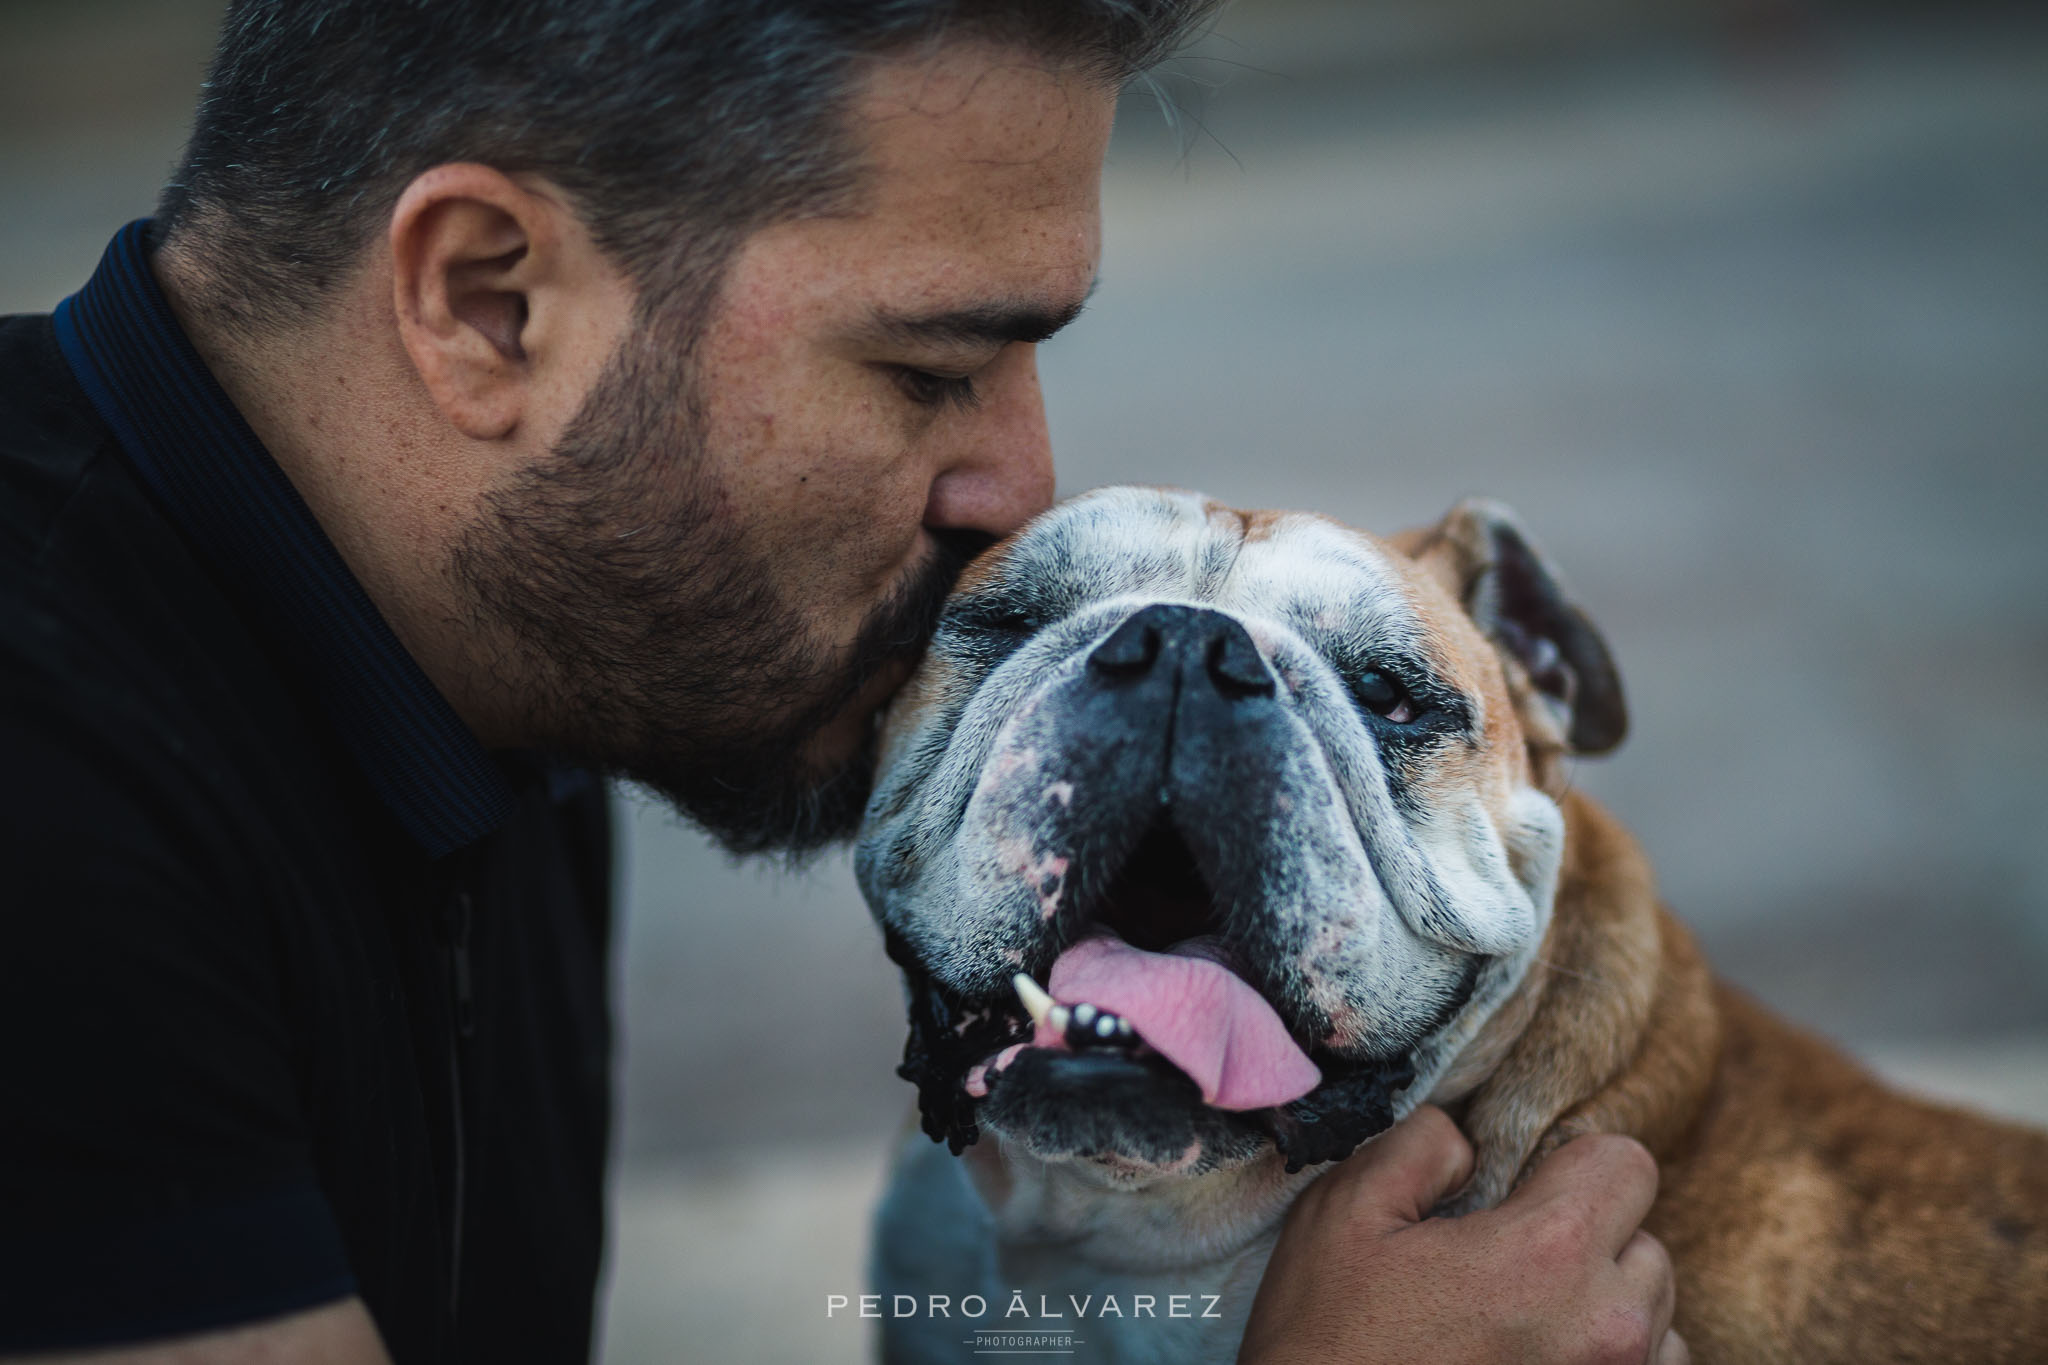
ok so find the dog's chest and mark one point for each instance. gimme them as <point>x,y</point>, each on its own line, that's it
<point>940,1255</point>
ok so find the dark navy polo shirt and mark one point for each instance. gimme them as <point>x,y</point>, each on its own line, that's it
<point>303,994</point>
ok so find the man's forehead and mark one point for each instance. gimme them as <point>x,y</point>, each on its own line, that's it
<point>975,156</point>
<point>976,103</point>
<point>961,228</point>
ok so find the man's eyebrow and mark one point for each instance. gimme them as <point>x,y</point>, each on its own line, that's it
<point>980,325</point>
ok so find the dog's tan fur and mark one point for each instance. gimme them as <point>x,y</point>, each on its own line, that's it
<point>1813,1215</point>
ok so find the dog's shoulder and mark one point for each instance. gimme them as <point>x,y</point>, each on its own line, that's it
<point>1815,1210</point>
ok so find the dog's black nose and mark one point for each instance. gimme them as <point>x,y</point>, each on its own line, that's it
<point>1197,642</point>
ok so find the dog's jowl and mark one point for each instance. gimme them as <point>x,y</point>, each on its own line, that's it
<point>1211,843</point>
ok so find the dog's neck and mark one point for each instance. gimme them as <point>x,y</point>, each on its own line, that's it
<point>1613,1029</point>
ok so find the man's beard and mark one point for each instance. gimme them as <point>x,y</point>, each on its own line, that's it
<point>643,633</point>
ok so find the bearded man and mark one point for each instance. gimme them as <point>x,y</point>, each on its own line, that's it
<point>506,396</point>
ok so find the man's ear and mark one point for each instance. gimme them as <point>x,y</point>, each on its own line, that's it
<point>469,247</point>
<point>1559,671</point>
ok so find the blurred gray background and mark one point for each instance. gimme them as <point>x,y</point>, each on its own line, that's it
<point>1743,304</point>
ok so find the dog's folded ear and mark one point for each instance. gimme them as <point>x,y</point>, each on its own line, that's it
<point>1559,669</point>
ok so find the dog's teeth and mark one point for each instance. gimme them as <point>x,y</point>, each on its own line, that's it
<point>1036,1002</point>
<point>1079,1024</point>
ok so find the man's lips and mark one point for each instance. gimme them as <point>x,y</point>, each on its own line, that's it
<point>1183,1004</point>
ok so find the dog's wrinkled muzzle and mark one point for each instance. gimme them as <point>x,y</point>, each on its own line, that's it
<point>1170,750</point>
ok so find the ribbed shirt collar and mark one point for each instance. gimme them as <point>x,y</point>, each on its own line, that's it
<point>238,507</point>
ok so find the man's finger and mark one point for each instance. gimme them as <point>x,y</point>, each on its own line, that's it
<point>1403,1174</point>
<point>1672,1351</point>
<point>1646,1268</point>
<point>1609,1180</point>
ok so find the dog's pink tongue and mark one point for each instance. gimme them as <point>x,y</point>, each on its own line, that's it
<point>1199,1014</point>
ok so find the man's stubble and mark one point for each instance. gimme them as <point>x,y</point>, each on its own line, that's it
<point>637,629</point>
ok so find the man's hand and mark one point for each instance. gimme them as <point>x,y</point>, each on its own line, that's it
<point>1560,1272</point>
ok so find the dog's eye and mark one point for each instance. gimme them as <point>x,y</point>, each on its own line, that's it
<point>1384,697</point>
<point>990,628</point>
<point>1007,623</point>
<point>1013,625</point>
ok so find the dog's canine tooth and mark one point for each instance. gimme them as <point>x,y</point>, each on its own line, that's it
<point>1036,1002</point>
<point>1080,1024</point>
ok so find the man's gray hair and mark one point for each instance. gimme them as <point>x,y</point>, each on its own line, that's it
<point>677,126</point>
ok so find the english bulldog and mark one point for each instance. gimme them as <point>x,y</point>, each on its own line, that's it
<point>1211,843</point>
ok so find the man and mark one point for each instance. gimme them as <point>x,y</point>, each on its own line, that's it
<point>505,392</point>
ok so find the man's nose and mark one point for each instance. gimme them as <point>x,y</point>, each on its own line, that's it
<point>1195,643</point>
<point>1002,475</point>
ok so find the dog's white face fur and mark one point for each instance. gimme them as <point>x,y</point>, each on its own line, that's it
<point>1151,713</point>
